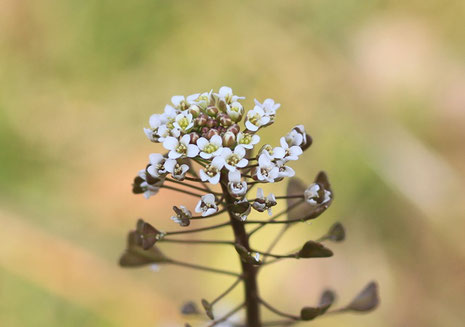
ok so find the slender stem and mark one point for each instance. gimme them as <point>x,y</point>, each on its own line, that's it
<point>249,272</point>
<point>289,197</point>
<point>280,323</point>
<point>187,185</point>
<point>279,313</point>
<point>210,216</point>
<point>226,317</point>
<point>198,267</point>
<point>277,256</point>
<point>194,173</point>
<point>275,241</point>
<point>182,191</point>
<point>193,179</point>
<point>198,229</point>
<point>276,216</point>
<point>196,241</point>
<point>230,288</point>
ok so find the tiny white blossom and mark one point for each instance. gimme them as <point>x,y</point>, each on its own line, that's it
<point>283,170</point>
<point>180,148</point>
<point>212,148</point>
<point>207,205</point>
<point>157,166</point>
<point>316,195</point>
<point>268,106</point>
<point>237,187</point>
<point>256,118</point>
<point>235,110</point>
<point>234,160</point>
<point>290,153</point>
<point>182,103</point>
<point>297,136</point>
<point>212,172</point>
<point>149,189</point>
<point>266,170</point>
<point>272,153</point>
<point>226,94</point>
<point>182,217</point>
<point>247,140</point>
<point>261,203</point>
<point>184,122</point>
<point>177,171</point>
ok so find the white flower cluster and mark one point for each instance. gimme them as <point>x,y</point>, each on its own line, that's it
<point>214,130</point>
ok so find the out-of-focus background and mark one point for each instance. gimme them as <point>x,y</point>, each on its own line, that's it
<point>380,85</point>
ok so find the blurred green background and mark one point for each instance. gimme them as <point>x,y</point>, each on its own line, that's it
<point>380,85</point>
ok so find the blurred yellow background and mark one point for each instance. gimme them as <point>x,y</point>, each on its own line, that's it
<point>380,85</point>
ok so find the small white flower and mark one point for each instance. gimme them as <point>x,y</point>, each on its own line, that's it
<point>266,170</point>
<point>247,140</point>
<point>157,166</point>
<point>283,170</point>
<point>182,103</point>
<point>256,118</point>
<point>180,148</point>
<point>290,153</point>
<point>207,205</point>
<point>149,189</point>
<point>315,194</point>
<point>184,122</point>
<point>183,216</point>
<point>235,110</point>
<point>268,106</point>
<point>226,94</point>
<point>297,136</point>
<point>212,172</point>
<point>237,187</point>
<point>261,203</point>
<point>234,160</point>
<point>177,171</point>
<point>212,148</point>
<point>272,153</point>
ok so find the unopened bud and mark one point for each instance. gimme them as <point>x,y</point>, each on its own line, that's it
<point>225,120</point>
<point>212,123</point>
<point>211,133</point>
<point>229,139</point>
<point>222,106</point>
<point>201,120</point>
<point>212,111</point>
<point>194,110</point>
<point>194,138</point>
<point>235,128</point>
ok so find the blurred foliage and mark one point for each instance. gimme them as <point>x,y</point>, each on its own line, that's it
<point>379,85</point>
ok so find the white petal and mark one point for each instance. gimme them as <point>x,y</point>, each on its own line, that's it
<point>186,139</point>
<point>250,126</point>
<point>192,150</point>
<point>240,151</point>
<point>208,198</point>
<point>174,155</point>
<point>170,143</point>
<point>260,193</point>
<point>216,140</point>
<point>234,176</point>
<point>242,163</point>
<point>170,164</point>
<point>215,179</point>
<point>205,155</point>
<point>155,158</point>
<point>155,121</point>
<point>226,152</point>
<point>225,90</point>
<point>218,162</point>
<point>198,207</point>
<point>255,139</point>
<point>278,152</point>
<point>202,142</point>
<point>203,176</point>
<point>176,100</point>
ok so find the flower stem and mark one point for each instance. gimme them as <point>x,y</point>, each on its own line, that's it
<point>182,191</point>
<point>249,272</point>
<point>230,288</point>
<point>198,267</point>
<point>196,241</point>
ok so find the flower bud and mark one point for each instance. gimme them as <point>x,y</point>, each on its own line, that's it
<point>235,128</point>
<point>194,110</point>
<point>229,139</point>
<point>236,111</point>
<point>222,105</point>
<point>201,120</point>
<point>225,120</point>
<point>212,111</point>
<point>211,133</point>
<point>212,123</point>
<point>194,138</point>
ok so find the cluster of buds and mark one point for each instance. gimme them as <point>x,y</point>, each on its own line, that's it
<point>212,152</point>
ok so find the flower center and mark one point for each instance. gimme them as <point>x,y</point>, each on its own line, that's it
<point>246,139</point>
<point>183,122</point>
<point>233,159</point>
<point>211,171</point>
<point>254,119</point>
<point>210,148</point>
<point>181,148</point>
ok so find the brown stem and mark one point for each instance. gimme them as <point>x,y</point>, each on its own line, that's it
<point>249,272</point>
